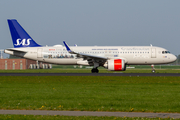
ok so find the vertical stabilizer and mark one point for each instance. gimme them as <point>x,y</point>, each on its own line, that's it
<point>19,36</point>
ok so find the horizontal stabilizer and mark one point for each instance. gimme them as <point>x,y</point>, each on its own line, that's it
<point>16,50</point>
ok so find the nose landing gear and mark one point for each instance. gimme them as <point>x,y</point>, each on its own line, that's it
<point>153,69</point>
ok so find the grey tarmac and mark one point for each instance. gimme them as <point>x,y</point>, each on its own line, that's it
<point>90,74</point>
<point>91,113</point>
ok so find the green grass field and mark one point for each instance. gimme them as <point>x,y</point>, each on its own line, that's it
<point>46,117</point>
<point>90,93</point>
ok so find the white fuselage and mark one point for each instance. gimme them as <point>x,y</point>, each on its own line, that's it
<point>133,55</point>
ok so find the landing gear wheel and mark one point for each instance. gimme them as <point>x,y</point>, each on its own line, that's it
<point>153,71</point>
<point>95,70</point>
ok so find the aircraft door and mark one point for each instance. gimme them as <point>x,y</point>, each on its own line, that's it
<point>153,52</point>
<point>39,52</point>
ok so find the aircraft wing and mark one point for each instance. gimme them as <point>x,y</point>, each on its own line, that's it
<point>85,56</point>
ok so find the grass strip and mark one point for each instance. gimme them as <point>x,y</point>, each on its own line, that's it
<point>90,93</point>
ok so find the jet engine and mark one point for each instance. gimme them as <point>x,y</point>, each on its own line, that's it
<point>115,65</point>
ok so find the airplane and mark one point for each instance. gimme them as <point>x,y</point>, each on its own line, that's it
<point>114,58</point>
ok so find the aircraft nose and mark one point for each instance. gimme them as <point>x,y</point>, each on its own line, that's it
<point>173,58</point>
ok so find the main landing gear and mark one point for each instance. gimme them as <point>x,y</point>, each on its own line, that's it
<point>95,70</point>
<point>153,69</point>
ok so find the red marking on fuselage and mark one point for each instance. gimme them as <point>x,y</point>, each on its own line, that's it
<point>51,49</point>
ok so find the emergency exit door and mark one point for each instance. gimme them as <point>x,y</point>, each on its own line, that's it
<point>153,52</point>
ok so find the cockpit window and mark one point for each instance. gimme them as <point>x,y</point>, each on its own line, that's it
<point>165,52</point>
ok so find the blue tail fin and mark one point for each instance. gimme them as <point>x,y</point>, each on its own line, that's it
<point>19,36</point>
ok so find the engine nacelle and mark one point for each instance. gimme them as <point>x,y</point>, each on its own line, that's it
<point>116,65</point>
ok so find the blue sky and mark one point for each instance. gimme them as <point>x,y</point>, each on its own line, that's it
<point>95,22</point>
